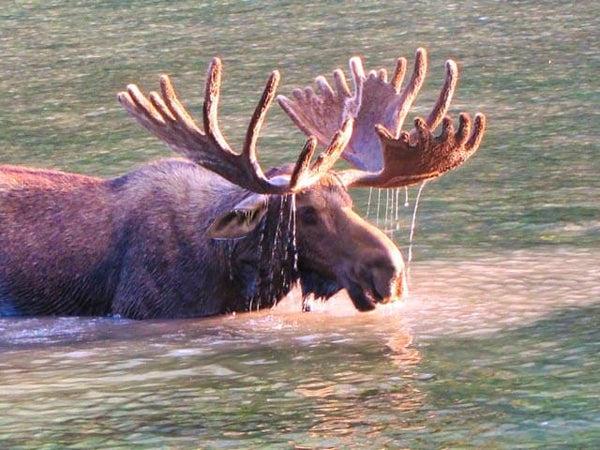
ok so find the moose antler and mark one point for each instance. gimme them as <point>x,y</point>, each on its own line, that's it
<point>410,160</point>
<point>165,117</point>
<point>385,155</point>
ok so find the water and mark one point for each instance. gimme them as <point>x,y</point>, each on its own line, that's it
<point>468,359</point>
<point>497,344</point>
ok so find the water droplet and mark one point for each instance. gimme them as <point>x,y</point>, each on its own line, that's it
<point>397,202</point>
<point>413,224</point>
<point>378,204</point>
<point>293,231</point>
<point>387,209</point>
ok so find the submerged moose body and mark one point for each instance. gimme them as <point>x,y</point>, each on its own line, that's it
<point>212,233</point>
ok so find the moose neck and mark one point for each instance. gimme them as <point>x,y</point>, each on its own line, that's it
<point>265,264</point>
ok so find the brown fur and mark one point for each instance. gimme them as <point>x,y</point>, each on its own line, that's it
<point>138,245</point>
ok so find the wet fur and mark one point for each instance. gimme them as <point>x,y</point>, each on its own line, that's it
<point>137,246</point>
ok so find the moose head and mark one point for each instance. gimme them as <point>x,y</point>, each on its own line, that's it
<point>328,245</point>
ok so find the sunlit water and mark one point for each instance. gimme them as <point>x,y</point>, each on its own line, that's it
<point>498,350</point>
<point>497,344</point>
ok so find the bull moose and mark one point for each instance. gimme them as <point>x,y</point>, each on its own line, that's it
<point>211,232</point>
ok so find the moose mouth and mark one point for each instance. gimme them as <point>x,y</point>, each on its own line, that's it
<point>367,298</point>
<point>364,297</point>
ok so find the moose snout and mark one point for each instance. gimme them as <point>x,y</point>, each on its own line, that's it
<point>373,269</point>
<point>383,277</point>
<point>387,277</point>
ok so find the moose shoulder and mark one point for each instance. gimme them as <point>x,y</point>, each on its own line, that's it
<point>212,233</point>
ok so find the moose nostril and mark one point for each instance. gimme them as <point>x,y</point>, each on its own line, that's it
<point>382,264</point>
<point>386,267</point>
<point>388,281</point>
<point>400,287</point>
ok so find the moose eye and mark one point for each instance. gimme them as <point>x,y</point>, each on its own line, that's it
<point>308,215</point>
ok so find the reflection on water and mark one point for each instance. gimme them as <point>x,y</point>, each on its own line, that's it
<point>496,351</point>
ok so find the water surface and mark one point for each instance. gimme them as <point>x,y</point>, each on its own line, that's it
<point>497,344</point>
<point>497,351</point>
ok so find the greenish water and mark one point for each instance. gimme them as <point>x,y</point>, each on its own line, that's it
<point>497,345</point>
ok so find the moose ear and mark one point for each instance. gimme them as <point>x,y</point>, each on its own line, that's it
<point>241,220</point>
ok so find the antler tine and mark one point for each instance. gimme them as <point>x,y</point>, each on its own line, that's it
<point>324,87</point>
<point>477,135</point>
<point>399,73</point>
<point>249,152</point>
<point>174,106</point>
<point>358,78</point>
<point>210,109</point>
<point>341,84</point>
<point>160,106</point>
<point>304,174</point>
<point>445,98</point>
<point>384,153</point>
<point>447,133</point>
<point>412,89</point>
<point>139,102</point>
<point>327,159</point>
<point>464,129</point>
<point>148,118</point>
<point>147,115</point>
<point>166,117</point>
<point>374,100</point>
<point>303,162</point>
<point>407,163</point>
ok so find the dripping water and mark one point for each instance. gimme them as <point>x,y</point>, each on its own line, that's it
<point>290,236</point>
<point>263,227</point>
<point>293,231</point>
<point>282,213</point>
<point>392,213</point>
<point>387,209</point>
<point>229,250</point>
<point>395,215</point>
<point>261,247</point>
<point>274,248</point>
<point>282,201</point>
<point>378,203</point>
<point>369,202</point>
<point>277,252</point>
<point>396,207</point>
<point>413,224</point>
